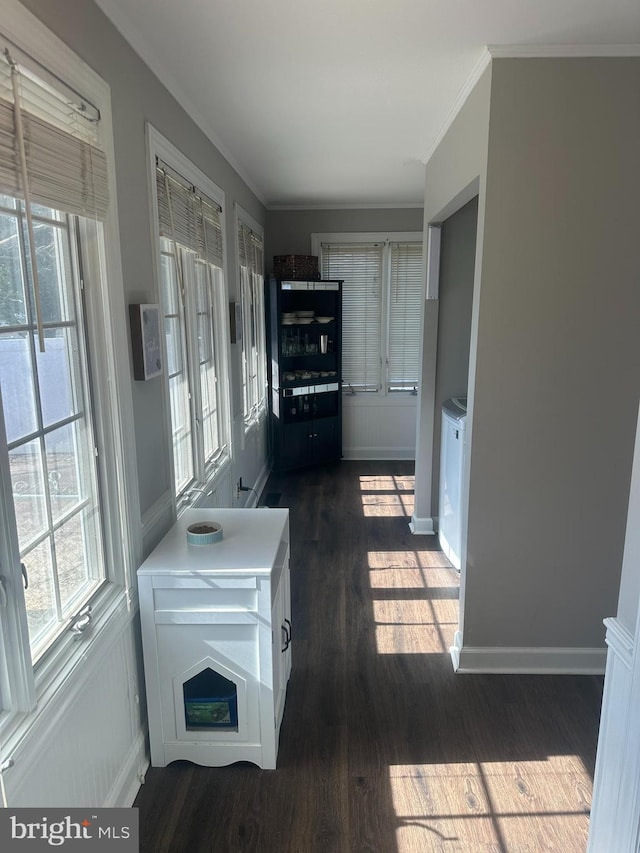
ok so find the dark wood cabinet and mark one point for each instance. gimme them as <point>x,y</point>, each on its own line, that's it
<point>305,372</point>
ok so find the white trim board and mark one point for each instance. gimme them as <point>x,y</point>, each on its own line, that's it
<point>143,48</point>
<point>527,661</point>
<point>476,73</point>
<point>524,51</point>
<point>390,205</point>
<point>561,51</point>
<point>378,454</point>
<point>422,526</point>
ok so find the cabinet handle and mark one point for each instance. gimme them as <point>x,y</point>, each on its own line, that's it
<point>288,623</point>
<point>287,634</point>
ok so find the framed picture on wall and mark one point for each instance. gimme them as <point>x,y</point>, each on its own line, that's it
<point>146,343</point>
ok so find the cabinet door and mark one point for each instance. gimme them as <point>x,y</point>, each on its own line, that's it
<point>325,440</point>
<point>281,624</point>
<point>294,445</point>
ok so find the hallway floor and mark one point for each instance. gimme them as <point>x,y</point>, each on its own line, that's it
<point>383,748</point>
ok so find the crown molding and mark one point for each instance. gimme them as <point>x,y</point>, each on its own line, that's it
<point>476,73</point>
<point>399,205</point>
<point>525,51</point>
<point>551,51</point>
<point>141,47</point>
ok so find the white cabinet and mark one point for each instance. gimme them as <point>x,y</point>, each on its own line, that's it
<point>216,636</point>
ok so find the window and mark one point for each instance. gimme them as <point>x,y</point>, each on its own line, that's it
<point>251,266</point>
<point>382,307</point>
<point>193,296</point>
<point>64,546</point>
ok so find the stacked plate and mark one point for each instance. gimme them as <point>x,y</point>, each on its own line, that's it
<point>324,319</point>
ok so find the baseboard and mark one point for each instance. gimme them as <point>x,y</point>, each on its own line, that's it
<point>527,661</point>
<point>419,526</point>
<point>261,482</point>
<point>125,788</point>
<point>378,454</point>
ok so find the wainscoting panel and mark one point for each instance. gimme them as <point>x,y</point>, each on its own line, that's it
<point>379,427</point>
<point>89,749</point>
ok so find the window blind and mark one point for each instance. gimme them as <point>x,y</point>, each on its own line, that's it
<point>66,166</point>
<point>406,295</point>
<point>187,216</point>
<point>360,266</point>
<point>250,249</point>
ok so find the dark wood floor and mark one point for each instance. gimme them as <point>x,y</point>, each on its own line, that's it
<point>383,748</point>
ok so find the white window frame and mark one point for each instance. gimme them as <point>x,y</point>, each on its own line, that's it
<point>254,411</point>
<point>387,238</point>
<point>25,687</point>
<point>206,476</point>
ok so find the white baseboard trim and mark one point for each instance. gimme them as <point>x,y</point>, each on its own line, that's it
<point>262,478</point>
<point>378,454</point>
<point>422,526</point>
<point>125,788</point>
<point>527,661</point>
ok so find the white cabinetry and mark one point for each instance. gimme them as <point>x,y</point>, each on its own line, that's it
<point>216,635</point>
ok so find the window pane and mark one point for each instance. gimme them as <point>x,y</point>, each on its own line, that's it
<point>181,425</point>
<point>173,338</point>
<point>77,544</point>
<point>40,595</point>
<point>70,483</point>
<point>58,369</point>
<point>13,311</point>
<point>27,480</point>
<point>206,363</point>
<point>209,411</point>
<point>203,314</point>
<point>54,274</point>
<point>169,281</point>
<point>16,382</point>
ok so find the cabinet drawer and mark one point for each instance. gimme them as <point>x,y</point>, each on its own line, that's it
<point>203,599</point>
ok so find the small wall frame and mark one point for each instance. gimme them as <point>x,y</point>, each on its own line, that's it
<point>146,341</point>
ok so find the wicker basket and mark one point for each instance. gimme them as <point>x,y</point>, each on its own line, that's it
<point>296,267</point>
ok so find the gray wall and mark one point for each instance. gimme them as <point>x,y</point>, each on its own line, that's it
<point>457,262</point>
<point>557,375</point>
<point>137,96</point>
<point>289,231</point>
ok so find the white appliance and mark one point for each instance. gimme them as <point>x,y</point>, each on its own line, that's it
<point>452,450</point>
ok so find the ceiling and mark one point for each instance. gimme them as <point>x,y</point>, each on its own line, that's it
<point>340,102</point>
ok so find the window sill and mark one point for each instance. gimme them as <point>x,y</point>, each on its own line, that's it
<point>380,398</point>
<point>255,421</point>
<point>200,492</point>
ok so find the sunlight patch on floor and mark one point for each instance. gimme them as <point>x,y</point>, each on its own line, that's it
<point>471,807</point>
<point>387,505</point>
<point>414,601</point>
<point>395,483</point>
<point>415,639</point>
<point>394,560</point>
